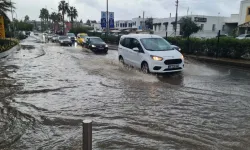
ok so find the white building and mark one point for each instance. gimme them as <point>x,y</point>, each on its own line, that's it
<point>210,24</point>
<point>135,23</point>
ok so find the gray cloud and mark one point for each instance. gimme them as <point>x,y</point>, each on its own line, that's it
<point>127,9</point>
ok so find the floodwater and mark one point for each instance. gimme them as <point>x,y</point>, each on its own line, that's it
<point>47,90</point>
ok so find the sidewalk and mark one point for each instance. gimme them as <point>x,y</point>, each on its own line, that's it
<point>224,61</point>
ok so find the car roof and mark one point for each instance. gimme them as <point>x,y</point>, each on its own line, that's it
<point>82,34</point>
<point>92,37</point>
<point>139,36</point>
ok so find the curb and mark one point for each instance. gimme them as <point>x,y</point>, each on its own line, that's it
<point>8,52</point>
<point>220,61</point>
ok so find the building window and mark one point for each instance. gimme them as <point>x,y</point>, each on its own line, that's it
<point>248,11</point>
<point>202,27</point>
<point>223,28</point>
<point>155,27</point>
<point>214,27</point>
<point>120,24</point>
<point>159,27</point>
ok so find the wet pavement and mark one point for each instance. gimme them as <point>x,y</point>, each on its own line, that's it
<point>47,90</point>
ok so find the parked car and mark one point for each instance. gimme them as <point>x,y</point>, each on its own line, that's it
<point>81,38</point>
<point>64,40</point>
<point>176,47</point>
<point>150,53</point>
<point>71,36</point>
<point>243,36</point>
<point>96,44</point>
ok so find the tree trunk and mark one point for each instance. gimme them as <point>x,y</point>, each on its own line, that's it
<point>63,23</point>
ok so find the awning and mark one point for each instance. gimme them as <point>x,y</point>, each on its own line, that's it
<point>245,25</point>
<point>165,23</point>
<point>155,24</point>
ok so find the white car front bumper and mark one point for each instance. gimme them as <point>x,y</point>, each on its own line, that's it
<point>170,65</point>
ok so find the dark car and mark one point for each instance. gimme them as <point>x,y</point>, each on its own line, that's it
<point>64,40</point>
<point>96,44</point>
<point>176,47</point>
<point>72,36</point>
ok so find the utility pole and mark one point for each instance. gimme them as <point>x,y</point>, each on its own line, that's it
<point>187,11</point>
<point>12,18</point>
<point>176,16</point>
<point>143,24</point>
<point>107,26</point>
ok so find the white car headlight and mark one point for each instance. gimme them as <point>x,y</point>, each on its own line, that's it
<point>106,45</point>
<point>182,57</point>
<point>93,46</point>
<point>157,58</point>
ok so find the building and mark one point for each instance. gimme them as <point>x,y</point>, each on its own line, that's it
<point>210,24</point>
<point>135,23</point>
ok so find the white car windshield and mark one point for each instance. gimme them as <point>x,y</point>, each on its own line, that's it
<point>156,44</point>
<point>63,37</point>
<point>70,34</point>
<point>96,40</point>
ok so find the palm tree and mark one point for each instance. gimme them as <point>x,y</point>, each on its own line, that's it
<point>73,14</point>
<point>26,18</point>
<point>6,6</point>
<point>44,15</point>
<point>64,8</point>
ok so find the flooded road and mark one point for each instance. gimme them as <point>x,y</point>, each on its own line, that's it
<point>47,90</point>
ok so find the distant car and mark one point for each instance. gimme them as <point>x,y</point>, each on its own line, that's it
<point>96,44</point>
<point>84,43</point>
<point>50,36</point>
<point>71,36</point>
<point>176,47</point>
<point>81,38</point>
<point>150,53</point>
<point>54,38</point>
<point>243,36</point>
<point>64,40</point>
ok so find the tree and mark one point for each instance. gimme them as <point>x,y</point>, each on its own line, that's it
<point>88,22</point>
<point>5,6</point>
<point>44,16</point>
<point>73,14</point>
<point>149,23</point>
<point>64,8</point>
<point>26,18</point>
<point>188,27</point>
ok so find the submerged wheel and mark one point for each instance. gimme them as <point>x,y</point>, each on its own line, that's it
<point>145,68</point>
<point>121,60</point>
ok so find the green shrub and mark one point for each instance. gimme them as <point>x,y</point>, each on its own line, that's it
<point>6,44</point>
<point>227,48</point>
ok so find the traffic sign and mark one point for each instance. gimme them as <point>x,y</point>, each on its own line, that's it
<point>103,19</point>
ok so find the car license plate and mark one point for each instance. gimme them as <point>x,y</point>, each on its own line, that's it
<point>101,48</point>
<point>173,66</point>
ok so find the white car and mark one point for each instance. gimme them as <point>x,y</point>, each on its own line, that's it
<point>150,53</point>
<point>243,36</point>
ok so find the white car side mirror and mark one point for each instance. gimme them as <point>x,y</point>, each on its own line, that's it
<point>136,49</point>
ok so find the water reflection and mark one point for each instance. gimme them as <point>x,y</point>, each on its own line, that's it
<point>176,78</point>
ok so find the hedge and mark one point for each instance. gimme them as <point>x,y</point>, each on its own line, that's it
<point>227,47</point>
<point>6,44</point>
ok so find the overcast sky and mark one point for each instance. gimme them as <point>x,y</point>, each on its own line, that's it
<point>127,9</point>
